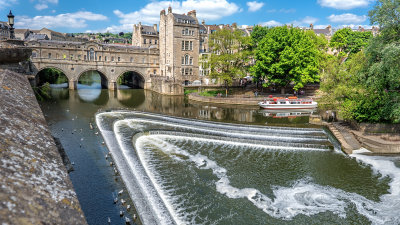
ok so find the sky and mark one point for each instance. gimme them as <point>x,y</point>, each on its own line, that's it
<point>71,16</point>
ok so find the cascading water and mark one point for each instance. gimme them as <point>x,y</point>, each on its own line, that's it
<point>183,171</point>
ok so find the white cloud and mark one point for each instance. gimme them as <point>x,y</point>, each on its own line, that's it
<point>282,10</point>
<point>344,4</point>
<point>271,23</point>
<point>347,18</point>
<point>306,21</point>
<point>7,3</point>
<point>254,6</point>
<point>41,6</point>
<point>44,4</point>
<point>70,20</point>
<point>206,9</point>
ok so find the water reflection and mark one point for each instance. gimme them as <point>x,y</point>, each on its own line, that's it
<point>149,101</point>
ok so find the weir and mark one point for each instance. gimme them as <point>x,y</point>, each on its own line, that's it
<point>173,167</point>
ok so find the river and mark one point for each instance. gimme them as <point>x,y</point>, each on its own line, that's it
<point>263,169</point>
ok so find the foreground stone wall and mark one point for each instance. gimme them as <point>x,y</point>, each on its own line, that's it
<point>35,187</point>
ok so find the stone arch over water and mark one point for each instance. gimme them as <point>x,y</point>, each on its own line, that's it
<point>130,79</point>
<point>92,76</point>
<point>53,75</point>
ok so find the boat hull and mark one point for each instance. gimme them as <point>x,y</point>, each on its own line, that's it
<point>287,106</point>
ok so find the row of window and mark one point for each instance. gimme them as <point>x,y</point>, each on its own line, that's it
<point>145,41</point>
<point>187,45</point>
<point>185,21</point>
<point>187,32</point>
<point>34,55</point>
<point>187,71</point>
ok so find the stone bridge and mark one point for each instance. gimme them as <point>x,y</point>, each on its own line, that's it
<point>109,60</point>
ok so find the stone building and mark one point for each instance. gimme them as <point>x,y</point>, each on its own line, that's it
<point>179,46</point>
<point>145,36</point>
<point>4,31</point>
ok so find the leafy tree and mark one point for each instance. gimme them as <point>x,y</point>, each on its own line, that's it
<point>386,14</point>
<point>230,55</point>
<point>258,34</point>
<point>347,41</point>
<point>286,56</point>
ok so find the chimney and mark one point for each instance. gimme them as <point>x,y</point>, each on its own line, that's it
<point>169,9</point>
<point>162,12</point>
<point>329,29</point>
<point>312,26</point>
<point>155,28</point>
<point>192,13</point>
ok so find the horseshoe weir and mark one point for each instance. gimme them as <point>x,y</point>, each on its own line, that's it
<point>185,171</point>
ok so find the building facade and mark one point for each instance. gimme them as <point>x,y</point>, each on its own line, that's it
<point>179,46</point>
<point>4,31</point>
<point>145,36</point>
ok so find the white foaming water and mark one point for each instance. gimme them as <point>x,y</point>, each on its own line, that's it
<point>303,197</point>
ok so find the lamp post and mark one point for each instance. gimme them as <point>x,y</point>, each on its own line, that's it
<point>11,23</point>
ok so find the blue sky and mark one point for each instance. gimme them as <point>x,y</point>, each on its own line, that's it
<point>118,15</point>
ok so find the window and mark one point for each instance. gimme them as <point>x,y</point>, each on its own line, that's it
<point>79,57</point>
<point>34,54</point>
<point>187,59</point>
<point>119,59</point>
<point>183,45</point>
<point>143,60</point>
<point>131,59</point>
<point>155,41</point>
<point>105,58</point>
<point>191,61</point>
<point>91,54</point>
<point>112,58</point>
<point>149,41</point>
<point>191,45</point>
<point>190,71</point>
<point>72,57</point>
<point>84,57</point>
<point>154,72</point>
<point>144,41</point>
<point>99,58</point>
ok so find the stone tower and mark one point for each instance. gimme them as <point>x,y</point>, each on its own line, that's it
<point>179,46</point>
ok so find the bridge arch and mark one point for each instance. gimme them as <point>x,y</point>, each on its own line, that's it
<point>51,74</point>
<point>132,79</point>
<point>86,77</point>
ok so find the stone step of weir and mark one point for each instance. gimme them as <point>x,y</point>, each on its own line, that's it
<point>348,136</point>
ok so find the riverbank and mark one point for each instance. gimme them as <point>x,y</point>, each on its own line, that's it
<point>353,138</point>
<point>36,188</point>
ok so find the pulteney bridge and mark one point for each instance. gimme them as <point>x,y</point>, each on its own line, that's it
<point>110,61</point>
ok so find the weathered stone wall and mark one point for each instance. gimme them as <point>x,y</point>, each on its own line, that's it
<point>166,86</point>
<point>35,187</point>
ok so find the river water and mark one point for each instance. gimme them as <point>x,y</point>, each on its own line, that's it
<point>183,164</point>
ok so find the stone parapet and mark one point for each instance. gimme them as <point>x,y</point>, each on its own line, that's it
<point>35,186</point>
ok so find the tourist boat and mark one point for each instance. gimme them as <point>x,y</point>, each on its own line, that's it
<point>289,113</point>
<point>288,103</point>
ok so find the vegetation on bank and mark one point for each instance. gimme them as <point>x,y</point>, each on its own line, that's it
<point>360,80</point>
<point>363,84</point>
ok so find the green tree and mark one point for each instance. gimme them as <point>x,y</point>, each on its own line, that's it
<point>258,33</point>
<point>286,56</point>
<point>230,55</point>
<point>386,14</point>
<point>347,41</point>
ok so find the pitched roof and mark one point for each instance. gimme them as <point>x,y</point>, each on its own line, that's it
<point>185,17</point>
<point>148,30</point>
<point>4,25</point>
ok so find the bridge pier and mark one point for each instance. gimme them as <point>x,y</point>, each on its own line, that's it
<point>72,84</point>
<point>112,85</point>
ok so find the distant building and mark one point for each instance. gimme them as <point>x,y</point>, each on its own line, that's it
<point>145,36</point>
<point>4,30</point>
